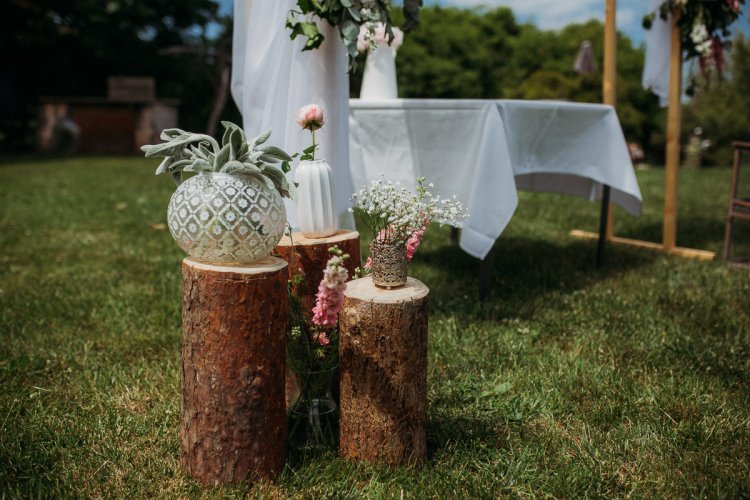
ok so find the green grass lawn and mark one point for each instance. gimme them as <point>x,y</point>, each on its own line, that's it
<point>633,379</point>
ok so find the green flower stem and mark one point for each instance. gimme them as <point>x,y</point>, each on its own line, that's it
<point>312,130</point>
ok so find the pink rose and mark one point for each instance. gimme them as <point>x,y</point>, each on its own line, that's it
<point>310,117</point>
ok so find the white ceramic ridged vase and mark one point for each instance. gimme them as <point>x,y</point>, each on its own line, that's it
<point>315,210</point>
<point>379,79</point>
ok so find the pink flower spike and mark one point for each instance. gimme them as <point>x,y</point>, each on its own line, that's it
<point>310,117</point>
<point>330,294</point>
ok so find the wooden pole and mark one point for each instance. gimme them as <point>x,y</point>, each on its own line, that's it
<point>383,353</point>
<point>669,229</point>
<point>233,414</point>
<point>609,83</point>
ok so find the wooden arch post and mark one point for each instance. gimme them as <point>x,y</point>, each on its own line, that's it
<point>672,163</point>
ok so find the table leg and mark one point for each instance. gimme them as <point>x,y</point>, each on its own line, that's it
<point>603,220</point>
<point>455,235</point>
<point>485,276</point>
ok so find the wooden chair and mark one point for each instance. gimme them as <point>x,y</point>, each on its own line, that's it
<point>739,200</point>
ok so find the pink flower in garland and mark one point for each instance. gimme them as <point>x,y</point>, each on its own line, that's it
<point>734,5</point>
<point>330,294</point>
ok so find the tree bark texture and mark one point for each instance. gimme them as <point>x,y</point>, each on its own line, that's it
<point>307,257</point>
<point>233,414</point>
<point>383,356</point>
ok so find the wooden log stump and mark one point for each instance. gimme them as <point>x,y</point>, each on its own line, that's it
<point>383,356</point>
<point>233,414</point>
<point>309,260</point>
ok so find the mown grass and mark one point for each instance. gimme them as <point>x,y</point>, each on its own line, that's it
<point>630,380</point>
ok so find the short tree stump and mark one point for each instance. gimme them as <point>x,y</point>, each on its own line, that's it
<point>309,260</point>
<point>383,350</point>
<point>233,415</point>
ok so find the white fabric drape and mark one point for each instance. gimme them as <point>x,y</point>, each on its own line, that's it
<point>272,78</point>
<point>656,66</point>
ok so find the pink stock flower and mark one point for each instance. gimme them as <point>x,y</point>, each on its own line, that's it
<point>310,117</point>
<point>323,339</point>
<point>330,294</point>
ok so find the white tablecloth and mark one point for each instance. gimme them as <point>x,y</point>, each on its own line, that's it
<point>483,151</point>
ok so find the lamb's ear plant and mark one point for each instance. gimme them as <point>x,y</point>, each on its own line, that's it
<point>190,152</point>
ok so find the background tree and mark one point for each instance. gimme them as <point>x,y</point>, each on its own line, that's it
<point>722,108</point>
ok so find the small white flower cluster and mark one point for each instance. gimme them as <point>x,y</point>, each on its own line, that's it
<point>701,39</point>
<point>394,213</point>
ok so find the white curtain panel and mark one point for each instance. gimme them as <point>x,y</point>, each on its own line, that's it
<point>272,78</point>
<point>656,66</point>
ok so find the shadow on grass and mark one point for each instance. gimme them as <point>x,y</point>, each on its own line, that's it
<point>524,271</point>
<point>464,431</point>
<point>692,232</point>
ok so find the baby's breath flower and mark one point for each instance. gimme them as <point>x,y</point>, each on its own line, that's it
<point>394,214</point>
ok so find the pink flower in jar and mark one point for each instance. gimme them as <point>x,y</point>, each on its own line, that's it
<point>310,117</point>
<point>415,239</point>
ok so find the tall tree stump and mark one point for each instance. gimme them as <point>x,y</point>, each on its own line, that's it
<point>309,257</point>
<point>383,351</point>
<point>233,414</point>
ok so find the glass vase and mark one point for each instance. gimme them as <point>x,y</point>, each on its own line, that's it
<point>389,264</point>
<point>314,417</point>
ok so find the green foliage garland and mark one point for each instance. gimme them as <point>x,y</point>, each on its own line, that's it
<point>348,16</point>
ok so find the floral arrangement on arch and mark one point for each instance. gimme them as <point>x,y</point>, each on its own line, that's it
<point>704,27</point>
<point>374,35</point>
<point>349,16</point>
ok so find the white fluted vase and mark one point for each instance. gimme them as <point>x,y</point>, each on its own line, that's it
<point>315,201</point>
<point>379,79</point>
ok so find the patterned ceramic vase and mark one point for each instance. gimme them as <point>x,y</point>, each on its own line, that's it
<point>389,264</point>
<point>226,218</point>
<point>316,214</point>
